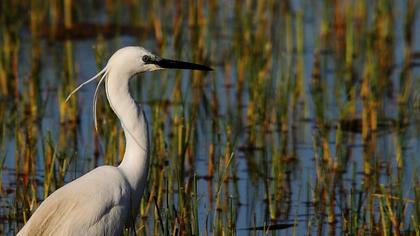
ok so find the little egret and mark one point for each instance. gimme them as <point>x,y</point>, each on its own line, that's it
<point>106,199</point>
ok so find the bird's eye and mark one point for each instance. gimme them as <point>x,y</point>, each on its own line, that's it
<point>147,59</point>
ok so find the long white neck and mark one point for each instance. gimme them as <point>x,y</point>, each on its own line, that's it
<point>136,159</point>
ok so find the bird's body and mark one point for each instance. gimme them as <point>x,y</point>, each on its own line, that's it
<point>78,201</point>
<point>105,200</point>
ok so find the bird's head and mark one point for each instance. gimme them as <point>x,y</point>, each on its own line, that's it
<point>134,60</point>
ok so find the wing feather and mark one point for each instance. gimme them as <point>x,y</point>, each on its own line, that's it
<point>97,203</point>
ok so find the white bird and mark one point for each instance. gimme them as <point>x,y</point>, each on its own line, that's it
<point>106,199</point>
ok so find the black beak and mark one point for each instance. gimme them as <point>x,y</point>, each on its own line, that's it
<point>173,64</point>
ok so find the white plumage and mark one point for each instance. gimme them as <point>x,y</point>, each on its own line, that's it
<point>105,200</point>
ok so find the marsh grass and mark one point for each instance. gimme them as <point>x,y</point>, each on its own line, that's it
<point>308,124</point>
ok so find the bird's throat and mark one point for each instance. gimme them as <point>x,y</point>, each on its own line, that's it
<point>136,160</point>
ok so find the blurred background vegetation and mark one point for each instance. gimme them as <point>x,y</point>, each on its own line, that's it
<point>309,124</point>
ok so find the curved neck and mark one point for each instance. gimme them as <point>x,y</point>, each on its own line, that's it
<point>136,161</point>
